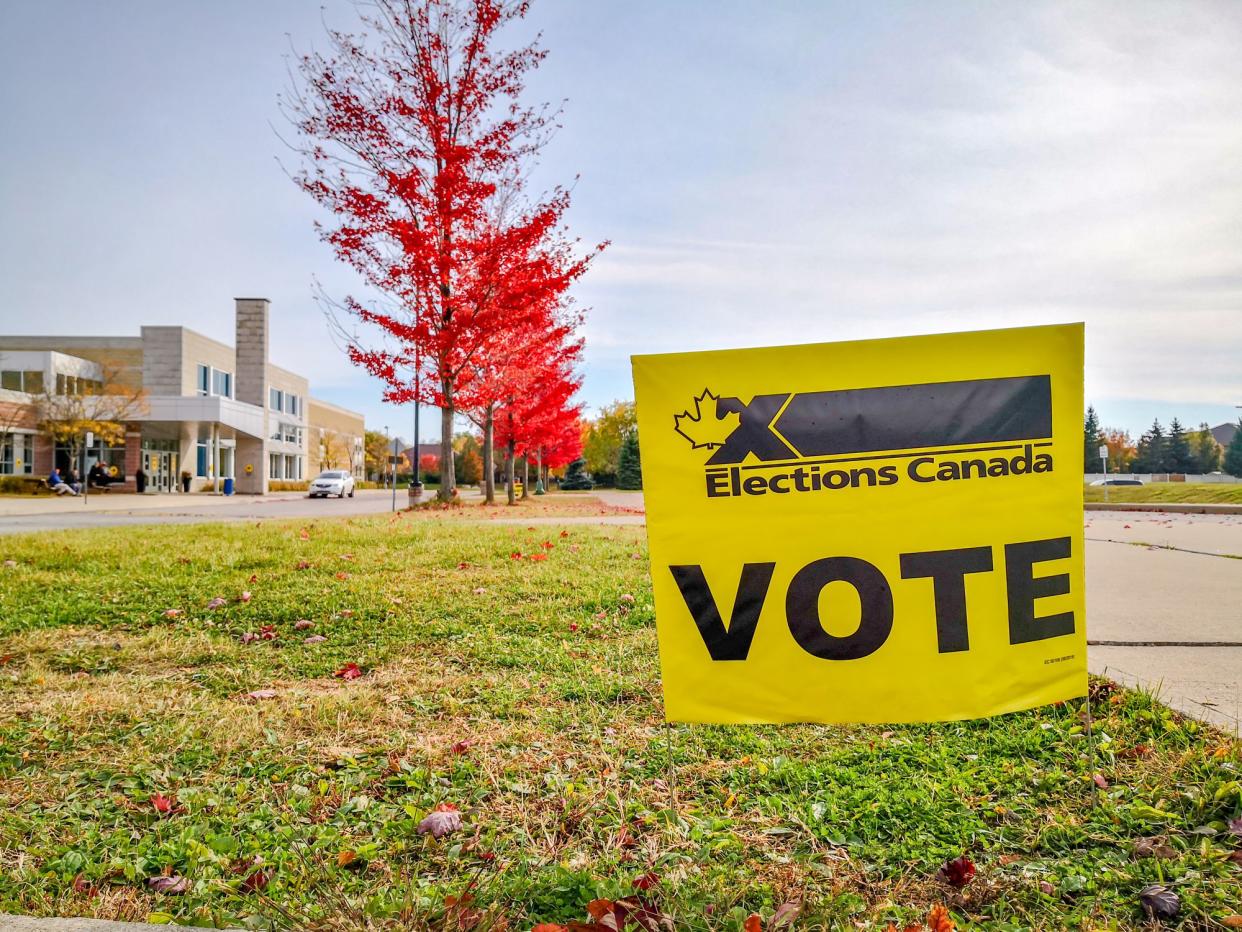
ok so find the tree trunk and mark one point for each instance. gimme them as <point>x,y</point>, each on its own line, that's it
<point>489,458</point>
<point>509,458</point>
<point>525,477</point>
<point>447,478</point>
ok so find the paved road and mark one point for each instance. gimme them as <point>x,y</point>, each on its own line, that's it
<point>53,514</point>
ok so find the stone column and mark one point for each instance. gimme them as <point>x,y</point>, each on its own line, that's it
<point>250,385</point>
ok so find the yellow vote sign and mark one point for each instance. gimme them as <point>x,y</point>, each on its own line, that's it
<point>875,531</point>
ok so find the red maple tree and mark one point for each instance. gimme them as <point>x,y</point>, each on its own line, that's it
<point>537,408</point>
<point>414,137</point>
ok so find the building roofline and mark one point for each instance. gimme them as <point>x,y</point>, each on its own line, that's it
<point>337,408</point>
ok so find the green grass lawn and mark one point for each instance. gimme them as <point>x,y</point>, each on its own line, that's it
<point>524,692</point>
<point>1190,492</point>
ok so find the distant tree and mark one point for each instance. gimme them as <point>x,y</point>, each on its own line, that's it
<point>334,450</point>
<point>576,478</point>
<point>601,443</point>
<point>1233,453</point>
<point>429,467</point>
<point>377,447</point>
<point>1121,449</point>
<point>1151,455</point>
<point>1178,457</point>
<point>70,409</point>
<point>468,462</point>
<point>1092,439</point>
<point>629,465</point>
<point>1206,451</point>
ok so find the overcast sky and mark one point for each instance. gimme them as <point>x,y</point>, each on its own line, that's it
<point>767,173</point>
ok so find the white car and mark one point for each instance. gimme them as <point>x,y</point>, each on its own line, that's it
<point>332,482</point>
<point>1127,480</point>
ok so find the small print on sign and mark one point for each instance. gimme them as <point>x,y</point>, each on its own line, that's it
<point>877,531</point>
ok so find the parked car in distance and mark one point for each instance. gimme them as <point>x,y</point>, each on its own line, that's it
<point>332,482</point>
<point>1128,480</point>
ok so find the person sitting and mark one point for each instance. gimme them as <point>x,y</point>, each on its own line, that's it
<point>59,485</point>
<point>98,477</point>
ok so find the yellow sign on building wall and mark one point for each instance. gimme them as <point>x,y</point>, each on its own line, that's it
<point>875,531</point>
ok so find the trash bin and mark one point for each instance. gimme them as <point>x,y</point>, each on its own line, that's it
<point>228,486</point>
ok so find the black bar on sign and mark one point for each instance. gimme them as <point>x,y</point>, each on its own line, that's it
<point>937,414</point>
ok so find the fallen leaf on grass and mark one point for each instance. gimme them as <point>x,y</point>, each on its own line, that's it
<point>350,671</point>
<point>256,881</point>
<point>166,805</point>
<point>939,920</point>
<point>753,923</point>
<point>172,612</point>
<point>1232,922</point>
<point>244,597</point>
<point>785,914</point>
<point>548,927</point>
<point>1045,887</point>
<point>479,591</point>
<point>626,597</point>
<point>10,563</point>
<point>171,884</point>
<point>315,639</point>
<point>346,613</point>
<point>538,556</point>
<point>216,603</point>
<point>440,821</point>
<point>302,624</point>
<point>262,694</point>
<point>1154,847</point>
<point>303,565</point>
<point>350,861</point>
<point>461,747</point>
<point>646,881</point>
<point>342,576</point>
<point>1235,827</point>
<point>958,872</point>
<point>1159,902</point>
<point>1100,780</point>
<point>84,886</point>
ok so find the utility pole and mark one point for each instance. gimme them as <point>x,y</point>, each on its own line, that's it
<point>394,472</point>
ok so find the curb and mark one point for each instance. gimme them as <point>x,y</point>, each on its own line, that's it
<point>1177,508</point>
<point>31,924</point>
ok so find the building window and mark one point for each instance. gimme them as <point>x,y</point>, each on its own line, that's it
<point>293,405</point>
<point>202,459</point>
<point>275,399</point>
<point>204,380</point>
<point>226,463</point>
<point>222,383</point>
<point>273,465</point>
<point>11,380</point>
<point>17,455</point>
